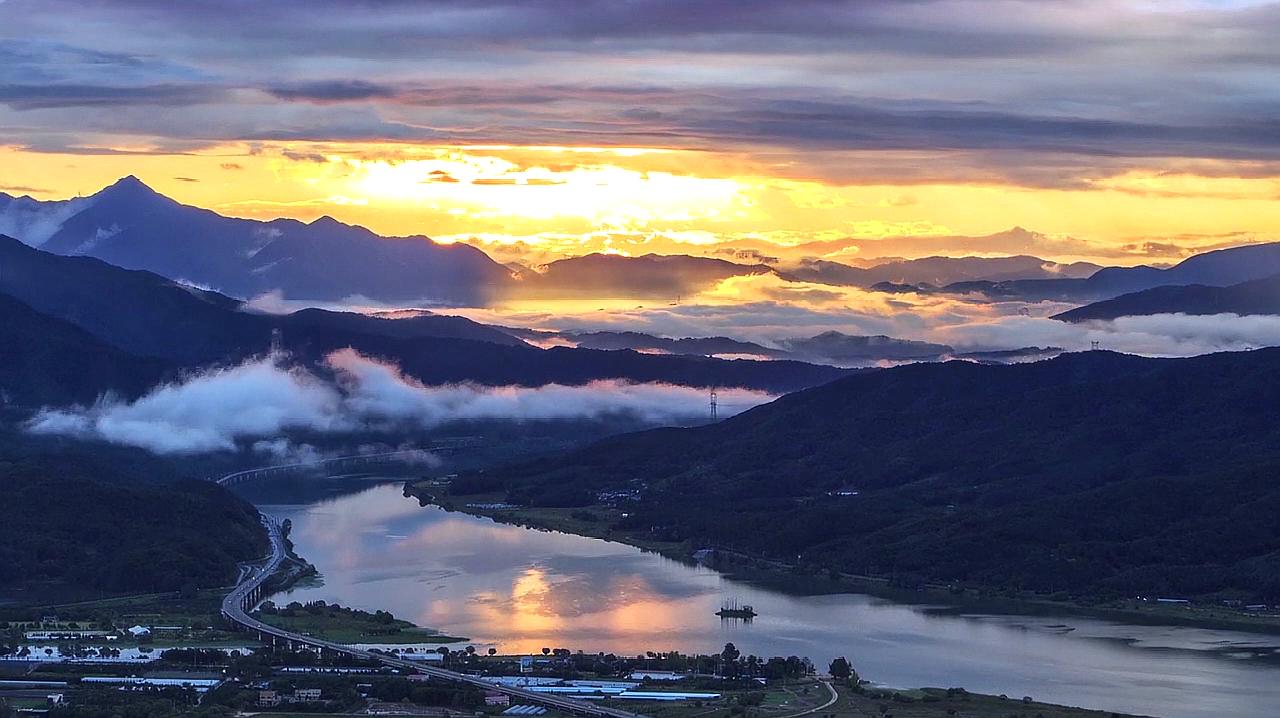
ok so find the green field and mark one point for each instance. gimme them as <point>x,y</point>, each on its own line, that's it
<point>345,628</point>
<point>808,698</point>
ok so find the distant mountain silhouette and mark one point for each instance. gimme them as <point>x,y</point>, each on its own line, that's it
<point>1218,268</point>
<point>702,346</point>
<point>1095,475</point>
<point>1260,296</point>
<point>832,348</point>
<point>937,271</point>
<point>846,350</point>
<point>130,225</point>
<point>649,275</point>
<point>144,314</point>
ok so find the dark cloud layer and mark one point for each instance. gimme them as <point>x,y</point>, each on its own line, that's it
<point>996,82</point>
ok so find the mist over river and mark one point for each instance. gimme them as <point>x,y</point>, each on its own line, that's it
<point>521,590</point>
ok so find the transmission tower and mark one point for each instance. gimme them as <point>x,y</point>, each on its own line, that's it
<point>714,408</point>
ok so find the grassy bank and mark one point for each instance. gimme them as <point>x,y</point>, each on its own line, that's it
<point>348,625</point>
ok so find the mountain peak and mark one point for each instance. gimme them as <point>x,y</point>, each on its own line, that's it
<point>128,186</point>
<point>130,182</point>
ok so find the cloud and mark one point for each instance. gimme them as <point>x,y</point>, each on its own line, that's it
<point>768,310</point>
<point>208,411</point>
<point>1128,78</point>
<point>1161,335</point>
<point>31,97</point>
<point>35,222</point>
<point>332,91</point>
<point>255,402</point>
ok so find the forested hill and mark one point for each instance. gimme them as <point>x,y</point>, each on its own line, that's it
<point>1095,473</point>
<point>80,520</point>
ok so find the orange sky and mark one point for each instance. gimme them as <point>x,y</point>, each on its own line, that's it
<point>540,203</point>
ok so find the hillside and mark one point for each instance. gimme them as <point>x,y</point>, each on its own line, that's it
<point>1097,474</point>
<point>1261,296</point>
<point>81,536</point>
<point>46,360</point>
<point>81,519</point>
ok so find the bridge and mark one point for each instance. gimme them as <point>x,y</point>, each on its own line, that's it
<point>250,591</point>
<point>353,461</point>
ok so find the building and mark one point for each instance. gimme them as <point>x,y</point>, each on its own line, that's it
<point>66,635</point>
<point>656,676</point>
<point>138,631</point>
<point>494,698</point>
<point>306,695</point>
<point>268,699</point>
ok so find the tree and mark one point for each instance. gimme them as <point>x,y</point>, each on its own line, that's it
<point>493,651</point>
<point>840,668</point>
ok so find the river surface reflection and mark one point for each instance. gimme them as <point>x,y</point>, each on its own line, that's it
<point>521,590</point>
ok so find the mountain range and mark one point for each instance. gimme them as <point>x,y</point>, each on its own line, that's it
<point>130,225</point>
<point>1218,268</point>
<point>140,325</point>
<point>831,347</point>
<point>1095,473</point>
<point>1260,296</point>
<point>645,276</point>
<point>937,271</point>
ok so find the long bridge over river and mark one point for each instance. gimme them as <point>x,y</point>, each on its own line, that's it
<point>353,461</point>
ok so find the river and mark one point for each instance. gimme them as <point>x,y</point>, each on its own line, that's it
<point>520,590</point>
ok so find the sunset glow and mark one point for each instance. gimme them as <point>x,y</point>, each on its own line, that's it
<point>604,141</point>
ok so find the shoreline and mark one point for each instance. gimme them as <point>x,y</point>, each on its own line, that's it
<point>785,577</point>
<point>297,570</point>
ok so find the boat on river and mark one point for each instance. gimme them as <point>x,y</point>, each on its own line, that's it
<point>731,609</point>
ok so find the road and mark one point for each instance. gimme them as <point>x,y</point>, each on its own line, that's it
<point>245,596</point>
<point>835,696</point>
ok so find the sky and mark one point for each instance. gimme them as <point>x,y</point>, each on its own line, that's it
<point>1119,131</point>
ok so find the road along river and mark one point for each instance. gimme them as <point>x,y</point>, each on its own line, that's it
<point>521,590</point>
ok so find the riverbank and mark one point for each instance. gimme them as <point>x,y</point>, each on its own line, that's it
<point>597,521</point>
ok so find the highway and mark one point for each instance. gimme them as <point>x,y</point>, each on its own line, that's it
<point>248,593</point>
